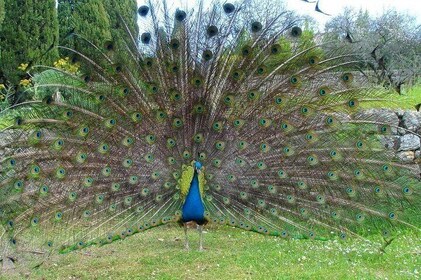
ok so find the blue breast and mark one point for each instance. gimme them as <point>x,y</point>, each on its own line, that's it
<point>193,209</point>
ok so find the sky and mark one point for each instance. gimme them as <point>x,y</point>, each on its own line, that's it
<point>374,7</point>
<point>334,7</point>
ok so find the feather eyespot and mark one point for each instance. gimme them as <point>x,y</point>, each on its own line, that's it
<point>143,11</point>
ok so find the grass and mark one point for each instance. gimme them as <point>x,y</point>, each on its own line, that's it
<point>414,96</point>
<point>406,101</point>
<point>235,254</point>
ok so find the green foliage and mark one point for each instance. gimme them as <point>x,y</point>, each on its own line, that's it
<point>65,13</point>
<point>1,12</point>
<point>96,21</point>
<point>127,9</point>
<point>88,19</point>
<point>29,33</point>
<point>288,46</point>
<point>6,97</point>
<point>388,45</point>
<point>407,100</point>
<point>91,21</point>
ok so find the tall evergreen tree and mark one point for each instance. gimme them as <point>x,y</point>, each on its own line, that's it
<point>29,34</point>
<point>86,18</point>
<point>66,27</point>
<point>127,9</point>
<point>91,21</point>
<point>1,12</point>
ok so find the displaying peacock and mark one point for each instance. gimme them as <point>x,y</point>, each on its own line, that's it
<point>215,116</point>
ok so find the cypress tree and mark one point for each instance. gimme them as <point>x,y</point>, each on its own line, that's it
<point>29,34</point>
<point>86,18</point>
<point>66,27</point>
<point>1,12</point>
<point>127,9</point>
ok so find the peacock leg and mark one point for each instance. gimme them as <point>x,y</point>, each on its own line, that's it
<point>200,228</point>
<point>186,244</point>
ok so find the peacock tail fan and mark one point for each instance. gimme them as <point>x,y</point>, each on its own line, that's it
<point>272,112</point>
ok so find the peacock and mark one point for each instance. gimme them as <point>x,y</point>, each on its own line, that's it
<point>214,115</point>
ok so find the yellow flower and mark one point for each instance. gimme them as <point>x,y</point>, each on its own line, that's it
<point>2,86</point>
<point>2,97</point>
<point>23,66</point>
<point>25,82</point>
<point>66,65</point>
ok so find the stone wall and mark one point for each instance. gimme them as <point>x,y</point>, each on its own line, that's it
<point>408,136</point>
<point>405,139</point>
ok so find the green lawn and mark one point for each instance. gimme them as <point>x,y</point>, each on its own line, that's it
<point>411,97</point>
<point>235,254</point>
<point>407,100</point>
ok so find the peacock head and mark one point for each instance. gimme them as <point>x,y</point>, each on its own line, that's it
<point>197,165</point>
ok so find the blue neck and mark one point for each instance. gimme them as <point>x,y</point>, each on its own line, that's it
<point>193,209</point>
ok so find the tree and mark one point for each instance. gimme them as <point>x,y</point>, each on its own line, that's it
<point>86,18</point>
<point>65,11</point>
<point>96,21</point>
<point>29,34</point>
<point>127,10</point>
<point>389,45</point>
<point>1,12</point>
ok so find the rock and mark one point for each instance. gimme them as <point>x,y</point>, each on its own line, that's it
<point>389,141</point>
<point>386,116</point>
<point>400,112</point>
<point>418,154</point>
<point>411,120</point>
<point>406,156</point>
<point>401,131</point>
<point>417,170</point>
<point>408,142</point>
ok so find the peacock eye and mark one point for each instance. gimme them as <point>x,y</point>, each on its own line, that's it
<point>143,11</point>
<point>296,31</point>
<point>256,27</point>
<point>180,15</point>
<point>294,80</point>
<point>174,43</point>
<point>145,38</point>
<point>207,55</point>
<point>275,49</point>
<point>212,31</point>
<point>228,8</point>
